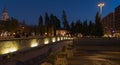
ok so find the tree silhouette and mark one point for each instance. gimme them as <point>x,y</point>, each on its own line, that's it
<point>40,25</point>
<point>98,26</point>
<point>65,22</point>
<point>78,27</point>
<point>47,23</point>
<point>91,28</point>
<point>11,25</point>
<point>72,29</point>
<point>55,24</point>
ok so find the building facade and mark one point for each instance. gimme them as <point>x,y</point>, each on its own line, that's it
<point>117,18</point>
<point>5,16</point>
<point>108,23</point>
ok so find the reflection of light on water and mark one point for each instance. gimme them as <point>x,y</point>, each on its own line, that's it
<point>46,41</point>
<point>8,46</point>
<point>53,40</point>
<point>34,43</point>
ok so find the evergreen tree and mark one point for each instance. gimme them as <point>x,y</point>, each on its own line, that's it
<point>72,29</point>
<point>10,25</point>
<point>91,28</point>
<point>65,22</point>
<point>52,25</point>
<point>47,23</point>
<point>55,24</point>
<point>98,26</point>
<point>85,28</point>
<point>40,25</point>
<point>78,27</point>
<point>14,25</point>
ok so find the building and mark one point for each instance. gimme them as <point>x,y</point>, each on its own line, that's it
<point>117,18</point>
<point>108,23</point>
<point>61,32</point>
<point>5,16</point>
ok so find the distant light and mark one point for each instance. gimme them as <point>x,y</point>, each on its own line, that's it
<point>8,47</point>
<point>45,33</point>
<point>71,38</point>
<point>58,39</point>
<point>13,33</point>
<point>53,40</point>
<point>64,37</point>
<point>8,50</point>
<point>101,4</point>
<point>68,37</point>
<point>46,41</point>
<point>33,43</point>
<point>61,38</point>
<point>113,31</point>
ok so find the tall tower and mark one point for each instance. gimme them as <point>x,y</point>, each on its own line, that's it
<point>5,16</point>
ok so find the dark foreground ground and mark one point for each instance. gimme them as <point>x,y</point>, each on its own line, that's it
<point>96,51</point>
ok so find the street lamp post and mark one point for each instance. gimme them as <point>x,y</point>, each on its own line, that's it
<point>100,5</point>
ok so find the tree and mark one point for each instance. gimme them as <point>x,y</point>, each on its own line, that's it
<point>10,25</point>
<point>91,28</point>
<point>78,27</point>
<point>54,24</point>
<point>47,23</point>
<point>72,29</point>
<point>40,25</point>
<point>57,23</point>
<point>14,24</point>
<point>98,25</point>
<point>65,22</point>
<point>85,28</point>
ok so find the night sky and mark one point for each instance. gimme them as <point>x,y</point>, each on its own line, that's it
<point>30,10</point>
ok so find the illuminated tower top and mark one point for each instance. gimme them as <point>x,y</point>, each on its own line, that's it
<point>100,5</point>
<point>5,16</point>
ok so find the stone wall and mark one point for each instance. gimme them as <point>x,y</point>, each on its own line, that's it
<point>12,45</point>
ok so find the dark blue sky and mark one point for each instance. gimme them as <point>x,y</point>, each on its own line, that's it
<point>30,10</point>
